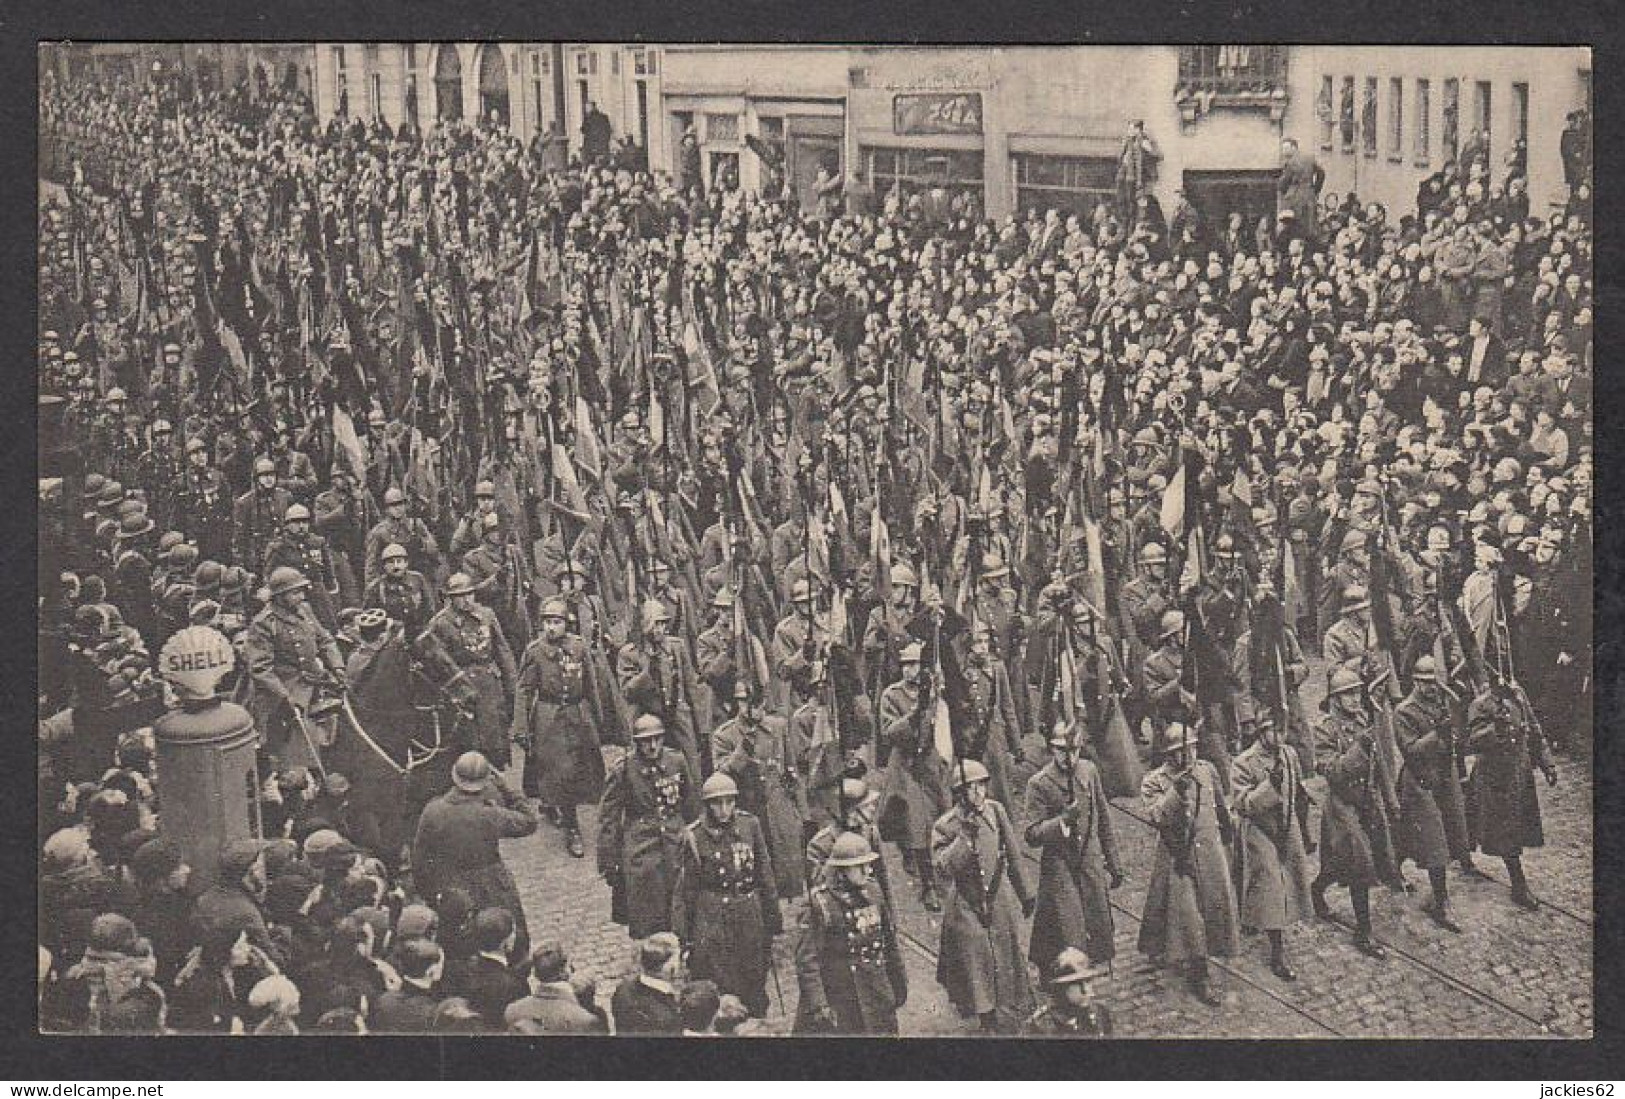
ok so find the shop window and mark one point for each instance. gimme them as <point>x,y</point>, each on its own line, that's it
<point>1065,183</point>
<point>912,170</point>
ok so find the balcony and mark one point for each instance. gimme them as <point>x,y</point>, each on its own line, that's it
<point>1235,77</point>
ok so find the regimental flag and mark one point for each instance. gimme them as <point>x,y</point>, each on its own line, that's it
<point>588,454</point>
<point>347,444</point>
<point>880,554</point>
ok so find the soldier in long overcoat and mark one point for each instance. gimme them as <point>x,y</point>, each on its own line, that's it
<point>995,731</point>
<point>1190,906</point>
<point>1427,784</point>
<point>1069,821</point>
<point>656,675</point>
<point>647,800</point>
<point>1504,810</point>
<point>977,853</point>
<point>724,907</point>
<point>472,637</point>
<point>914,792</point>
<point>755,750</point>
<point>559,706</point>
<point>1356,819</point>
<point>1273,841</point>
<point>849,963</point>
<point>457,844</point>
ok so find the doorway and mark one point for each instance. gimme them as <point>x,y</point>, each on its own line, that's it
<point>1218,194</point>
<point>448,83</point>
<point>493,86</point>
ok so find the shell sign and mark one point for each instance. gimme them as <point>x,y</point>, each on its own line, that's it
<point>194,660</point>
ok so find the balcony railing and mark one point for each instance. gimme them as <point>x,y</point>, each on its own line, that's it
<point>1231,70</point>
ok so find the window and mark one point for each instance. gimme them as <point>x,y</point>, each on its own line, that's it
<point>724,171</point>
<point>411,56</point>
<point>1520,113</point>
<point>338,57</point>
<point>1368,117</point>
<point>377,98</point>
<point>1423,119</point>
<point>721,128</point>
<point>587,63</point>
<point>1066,183</point>
<point>912,170</point>
<point>1396,118</point>
<point>1231,70</point>
<point>644,63</point>
<point>615,62</point>
<point>535,64</point>
<point>1482,121</point>
<point>771,128</point>
<point>1346,114</point>
<point>1324,111</point>
<point>412,98</point>
<point>1450,136</point>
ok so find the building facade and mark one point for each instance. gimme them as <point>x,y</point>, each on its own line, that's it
<point>1387,118</point>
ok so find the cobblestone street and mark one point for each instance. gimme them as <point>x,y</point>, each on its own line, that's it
<point>1510,973</point>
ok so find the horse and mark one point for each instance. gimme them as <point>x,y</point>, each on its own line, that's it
<point>400,724</point>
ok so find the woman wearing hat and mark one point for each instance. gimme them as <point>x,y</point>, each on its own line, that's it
<point>1190,906</point>
<point>975,849</point>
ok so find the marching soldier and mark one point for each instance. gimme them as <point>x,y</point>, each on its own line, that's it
<point>993,737</point>
<point>297,548</point>
<point>647,800</point>
<point>558,710</point>
<point>1190,906</point>
<point>343,516</point>
<point>1266,788</point>
<point>849,963</point>
<point>800,638</point>
<point>975,849</point>
<point>724,907</point>
<point>472,637</point>
<point>406,596</point>
<point>499,578</point>
<point>858,811</point>
<point>1069,821</point>
<point>1356,821</point>
<point>915,791</point>
<point>657,677</point>
<point>1503,734</point>
<point>258,514</point>
<point>204,506</point>
<point>1429,791</point>
<point>886,633</point>
<point>397,527</point>
<point>159,472</point>
<point>471,527</point>
<point>754,749</point>
<point>293,662</point>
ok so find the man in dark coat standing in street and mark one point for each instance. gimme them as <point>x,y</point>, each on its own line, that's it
<point>1298,188</point>
<point>1069,821</point>
<point>458,836</point>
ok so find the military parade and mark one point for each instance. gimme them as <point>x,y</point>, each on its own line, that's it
<point>882,610</point>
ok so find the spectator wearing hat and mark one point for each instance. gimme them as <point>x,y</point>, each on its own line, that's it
<point>110,990</point>
<point>164,903</point>
<point>233,900</point>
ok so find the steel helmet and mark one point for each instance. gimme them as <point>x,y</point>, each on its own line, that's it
<point>654,612</point>
<point>911,653</point>
<point>993,567</point>
<point>296,513</point>
<point>903,576</point>
<point>1341,681</point>
<point>115,396</point>
<point>460,584</point>
<point>262,466</point>
<point>1172,622</point>
<point>1153,553</point>
<point>969,771</point>
<point>555,608</point>
<point>850,849</point>
<point>1355,598</point>
<point>93,485</point>
<point>648,725</point>
<point>1175,736</point>
<point>393,551</point>
<point>394,496</point>
<point>485,488</point>
<point>1426,670</point>
<point>723,598</point>
<point>800,592</point>
<point>719,785</point>
<point>1354,539</point>
<point>492,521</point>
<point>471,772</point>
<point>285,579</point>
<point>1061,735</point>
